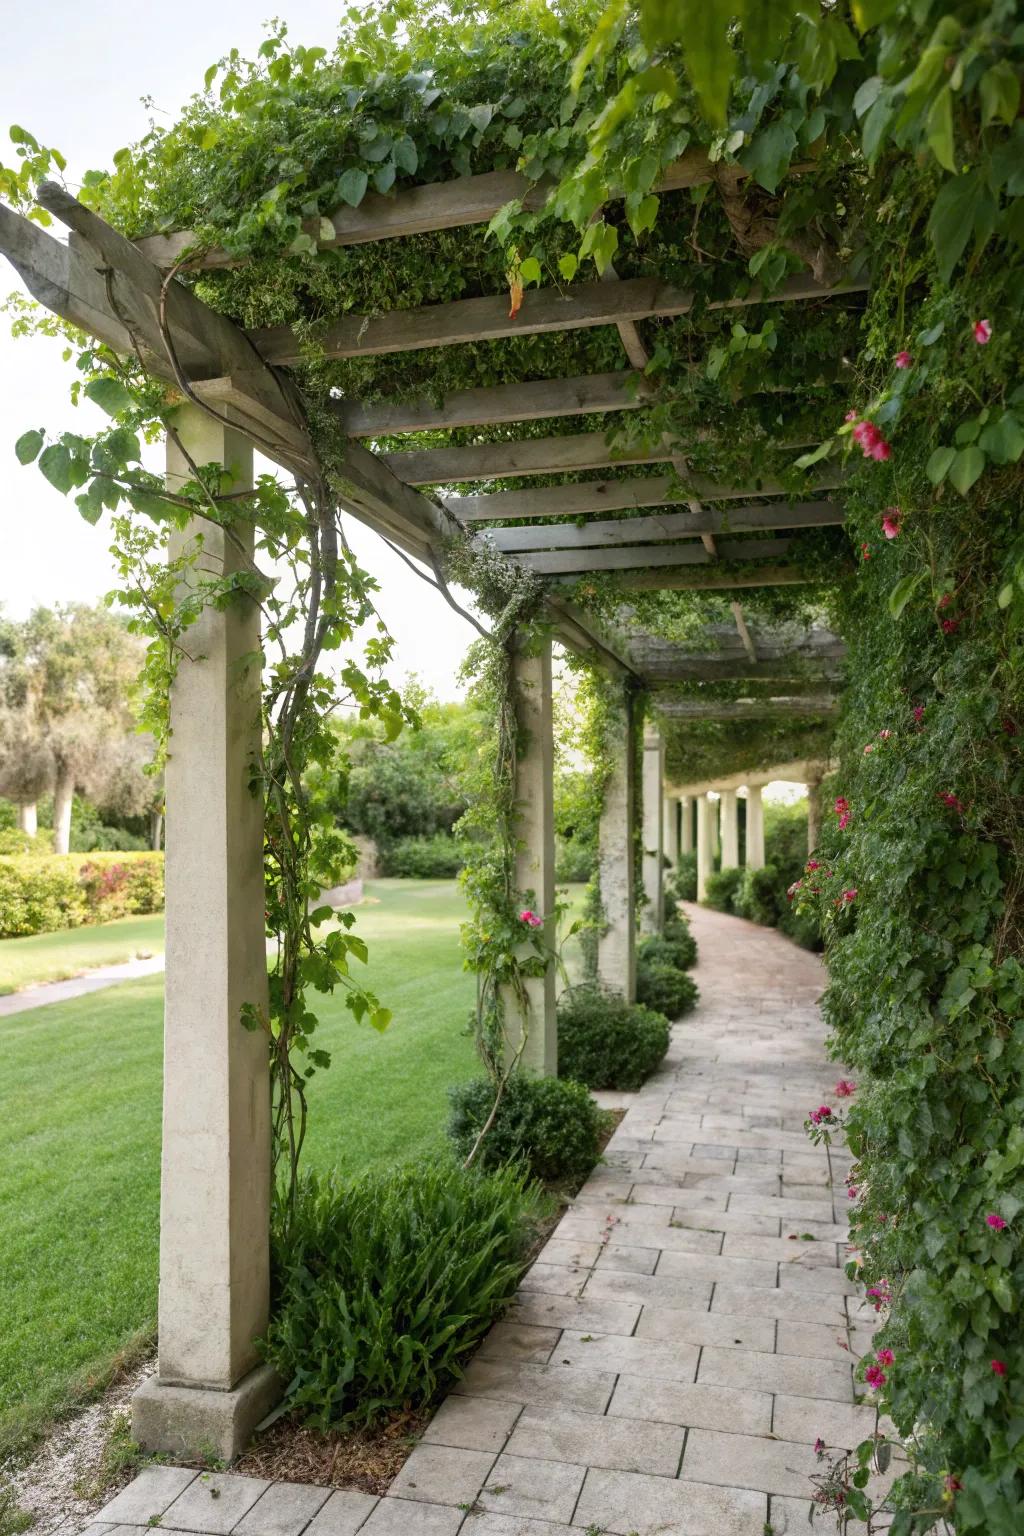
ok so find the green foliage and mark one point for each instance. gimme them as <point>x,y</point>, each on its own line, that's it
<point>548,1125</point>
<point>683,880</point>
<point>440,857</point>
<point>384,1284</point>
<point>606,1042</point>
<point>759,895</point>
<point>39,894</point>
<point>664,988</point>
<point>720,889</point>
<point>674,945</point>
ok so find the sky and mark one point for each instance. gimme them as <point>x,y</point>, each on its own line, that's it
<point>76,84</point>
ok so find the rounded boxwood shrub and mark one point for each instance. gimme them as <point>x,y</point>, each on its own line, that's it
<point>683,881</point>
<point>383,1284</point>
<point>549,1125</point>
<point>605,1042</point>
<point>721,888</point>
<point>664,988</point>
<point>675,945</point>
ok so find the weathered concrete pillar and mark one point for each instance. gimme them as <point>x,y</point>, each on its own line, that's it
<point>535,859</point>
<point>686,824</point>
<point>210,1389</point>
<point>706,809</point>
<point>813,814</point>
<point>729,810</point>
<point>670,827</point>
<point>616,946</point>
<point>716,836</point>
<point>27,820</point>
<point>651,919</point>
<point>755,828</point>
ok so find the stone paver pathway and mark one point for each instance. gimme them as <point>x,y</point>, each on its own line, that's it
<point>683,1338</point>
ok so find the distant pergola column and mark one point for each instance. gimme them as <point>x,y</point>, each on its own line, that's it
<point>729,809</point>
<point>813,812</point>
<point>686,824</point>
<point>652,830</point>
<point>535,857</point>
<point>705,842</point>
<point>755,827</point>
<point>210,1389</point>
<point>616,945</point>
<point>670,829</point>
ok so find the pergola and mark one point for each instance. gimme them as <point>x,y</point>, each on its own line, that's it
<point>668,530</point>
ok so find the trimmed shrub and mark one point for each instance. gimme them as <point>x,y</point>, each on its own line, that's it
<point>549,1125</point>
<point>383,1284</point>
<point>676,946</point>
<point>720,889</point>
<point>605,1042</point>
<point>683,882</point>
<point>574,861</point>
<point>760,895</point>
<point>45,894</point>
<point>439,857</point>
<point>664,988</point>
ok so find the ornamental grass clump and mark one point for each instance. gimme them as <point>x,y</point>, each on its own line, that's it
<point>384,1284</point>
<point>549,1127</point>
<point>605,1042</point>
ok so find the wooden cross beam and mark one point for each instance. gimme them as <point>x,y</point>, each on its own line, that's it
<point>648,557</point>
<point>822,705</point>
<point>535,400</point>
<point>711,669</point>
<point>664,525</point>
<point>711,579</point>
<point>610,496</point>
<point>543,310</point>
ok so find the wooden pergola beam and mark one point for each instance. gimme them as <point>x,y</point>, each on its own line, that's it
<point>543,310</point>
<point>821,705</point>
<point>611,496</point>
<point>649,557</point>
<point>715,669</point>
<point>516,456</point>
<point>712,579</point>
<point>421,209</point>
<point>534,400</point>
<point>665,525</point>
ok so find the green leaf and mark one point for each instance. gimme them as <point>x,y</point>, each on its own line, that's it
<point>529,270</point>
<point>1003,440</point>
<point>352,186</point>
<point>768,154</point>
<point>405,154</point>
<point>568,265</point>
<point>27,447</point>
<point>766,26</point>
<point>966,468</point>
<point>55,464</point>
<point>384,177</point>
<point>938,465</point>
<point>963,205</point>
<point>702,27</point>
<point>815,457</point>
<point>1000,94</point>
<point>903,591</point>
<point>940,129</point>
<point>868,13</point>
<point>645,214</point>
<point>109,394</point>
<point>1005,595</point>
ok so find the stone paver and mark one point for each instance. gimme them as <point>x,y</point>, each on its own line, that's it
<point>683,1339</point>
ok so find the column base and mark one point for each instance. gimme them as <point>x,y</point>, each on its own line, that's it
<point>201,1421</point>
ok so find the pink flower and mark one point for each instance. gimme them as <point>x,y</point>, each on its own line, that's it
<point>850,895</point>
<point>998,1366</point>
<point>823,1112</point>
<point>903,360</point>
<point>875,1377</point>
<point>982,332</point>
<point>891,522</point>
<point>918,713</point>
<point>850,416</point>
<point>884,735</point>
<point>845,1089</point>
<point>865,552</point>
<point>851,1193</point>
<point>880,451</point>
<point>950,626</point>
<point>951,801</point>
<point>819,1446</point>
<point>995,1222</point>
<point>531,919</point>
<point>841,805</point>
<point>945,599</point>
<point>953,1484</point>
<point>812,864</point>
<point>869,748</point>
<point>885,1357</point>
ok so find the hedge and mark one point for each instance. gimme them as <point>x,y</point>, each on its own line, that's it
<point>42,895</point>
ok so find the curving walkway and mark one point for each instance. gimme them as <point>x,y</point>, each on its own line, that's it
<point>685,1336</point>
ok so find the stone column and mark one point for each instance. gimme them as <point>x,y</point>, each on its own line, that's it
<point>210,1389</point>
<point>755,828</point>
<point>716,837</point>
<point>705,844</point>
<point>616,946</point>
<point>813,813</point>
<point>651,919</point>
<point>670,827</point>
<point>686,834</point>
<point>535,860</point>
<point>730,829</point>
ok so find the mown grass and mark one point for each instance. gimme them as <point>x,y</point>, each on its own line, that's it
<point>80,1153</point>
<point>57,956</point>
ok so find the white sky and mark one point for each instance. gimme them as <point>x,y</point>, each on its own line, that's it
<point>75,83</point>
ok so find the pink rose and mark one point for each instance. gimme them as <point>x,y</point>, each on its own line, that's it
<point>982,332</point>
<point>531,919</point>
<point>903,360</point>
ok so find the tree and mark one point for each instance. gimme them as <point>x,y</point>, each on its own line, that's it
<point>67,677</point>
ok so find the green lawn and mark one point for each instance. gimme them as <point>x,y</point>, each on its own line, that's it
<point>56,956</point>
<point>79,1158</point>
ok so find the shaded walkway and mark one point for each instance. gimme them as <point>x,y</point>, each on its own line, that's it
<point>684,1337</point>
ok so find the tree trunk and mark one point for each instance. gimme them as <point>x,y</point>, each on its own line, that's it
<point>27,818</point>
<point>156,830</point>
<point>63,795</point>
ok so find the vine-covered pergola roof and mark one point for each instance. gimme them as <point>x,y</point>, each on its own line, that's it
<point>580,512</point>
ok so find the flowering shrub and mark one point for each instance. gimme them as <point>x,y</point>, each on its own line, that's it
<point>42,895</point>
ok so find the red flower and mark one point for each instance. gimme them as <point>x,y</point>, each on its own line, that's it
<point>951,801</point>
<point>903,360</point>
<point>845,1089</point>
<point>885,1357</point>
<point>875,1377</point>
<point>531,919</point>
<point>850,895</point>
<point>850,416</point>
<point>999,1367</point>
<point>982,332</point>
<point>865,552</point>
<point>819,1446</point>
<point>891,522</point>
<point>995,1222</point>
<point>918,713</point>
<point>950,626</point>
